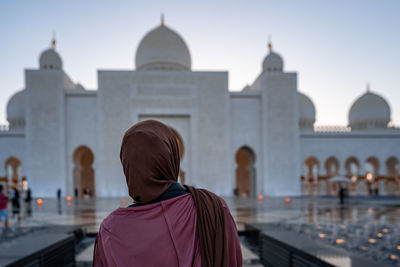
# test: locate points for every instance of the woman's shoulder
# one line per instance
(123, 215)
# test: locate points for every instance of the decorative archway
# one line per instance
(392, 175)
(179, 140)
(245, 172)
(372, 166)
(12, 166)
(352, 167)
(84, 185)
(310, 184)
(392, 167)
(332, 169)
(332, 166)
(312, 168)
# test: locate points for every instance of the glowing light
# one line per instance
(394, 257)
(363, 248)
(385, 230)
(398, 247)
(321, 235)
(287, 200)
(343, 227)
(39, 201)
(353, 178)
(339, 241)
(369, 176)
(372, 241)
(260, 197)
(350, 235)
(68, 198)
(379, 235)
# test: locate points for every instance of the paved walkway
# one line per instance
(91, 212)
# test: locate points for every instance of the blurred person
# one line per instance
(341, 194)
(169, 224)
(3, 207)
(58, 194)
(16, 206)
(28, 202)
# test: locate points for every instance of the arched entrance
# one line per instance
(392, 166)
(310, 184)
(392, 170)
(181, 176)
(83, 172)
(13, 166)
(245, 172)
(352, 167)
(332, 166)
(332, 169)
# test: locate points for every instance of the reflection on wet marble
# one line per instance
(304, 210)
(91, 212)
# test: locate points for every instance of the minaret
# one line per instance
(53, 41)
(162, 20)
(280, 126)
(269, 43)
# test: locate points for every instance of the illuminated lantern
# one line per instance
(287, 200)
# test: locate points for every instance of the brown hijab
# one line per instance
(150, 159)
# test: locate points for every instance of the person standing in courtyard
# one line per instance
(3, 207)
(15, 203)
(169, 224)
(28, 202)
(59, 194)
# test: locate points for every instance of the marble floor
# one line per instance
(90, 212)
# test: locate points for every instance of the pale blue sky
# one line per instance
(335, 46)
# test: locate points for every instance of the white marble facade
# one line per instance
(60, 133)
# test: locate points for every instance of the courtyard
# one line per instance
(308, 214)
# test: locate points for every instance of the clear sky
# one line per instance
(335, 46)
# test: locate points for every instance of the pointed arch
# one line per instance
(245, 172)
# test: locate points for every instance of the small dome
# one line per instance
(370, 111)
(273, 62)
(306, 112)
(50, 59)
(16, 110)
(162, 48)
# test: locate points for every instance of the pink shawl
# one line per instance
(159, 234)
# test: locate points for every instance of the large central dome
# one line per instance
(162, 49)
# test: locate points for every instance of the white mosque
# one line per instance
(259, 141)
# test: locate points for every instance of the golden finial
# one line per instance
(53, 40)
(269, 43)
(162, 19)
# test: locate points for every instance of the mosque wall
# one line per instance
(45, 133)
(246, 131)
(213, 132)
(195, 104)
(280, 133)
(81, 129)
(113, 105)
(342, 146)
(12, 145)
